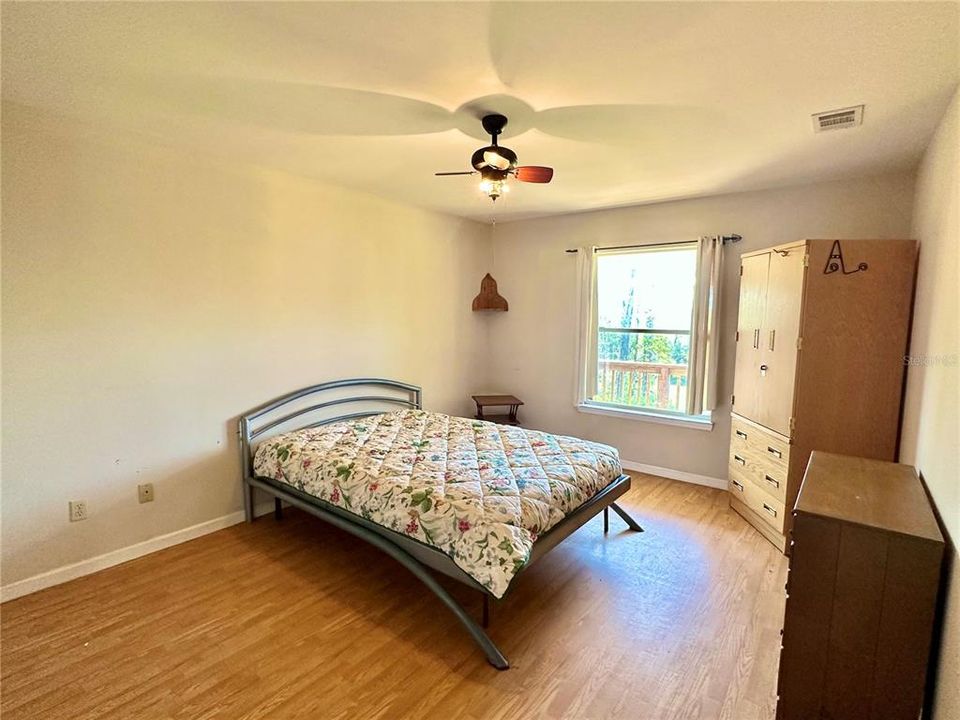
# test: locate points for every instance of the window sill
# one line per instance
(689, 422)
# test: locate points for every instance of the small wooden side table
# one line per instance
(507, 401)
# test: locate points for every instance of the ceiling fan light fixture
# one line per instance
(497, 159)
(494, 188)
(494, 156)
(496, 163)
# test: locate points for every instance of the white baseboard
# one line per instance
(672, 474)
(115, 557)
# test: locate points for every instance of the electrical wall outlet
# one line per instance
(145, 492)
(78, 510)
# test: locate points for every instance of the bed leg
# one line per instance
(486, 612)
(494, 656)
(606, 520)
(631, 523)
(248, 501)
(277, 509)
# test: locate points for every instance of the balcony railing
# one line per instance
(642, 384)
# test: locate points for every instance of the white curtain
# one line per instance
(586, 385)
(704, 340)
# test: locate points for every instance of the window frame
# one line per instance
(703, 421)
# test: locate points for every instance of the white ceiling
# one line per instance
(630, 102)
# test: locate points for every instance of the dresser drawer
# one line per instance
(737, 487)
(770, 510)
(746, 490)
(762, 457)
(744, 466)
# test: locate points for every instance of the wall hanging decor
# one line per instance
(489, 298)
(835, 262)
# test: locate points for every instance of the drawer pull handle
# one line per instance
(773, 451)
(737, 485)
(770, 510)
(741, 434)
(737, 458)
(775, 483)
(756, 339)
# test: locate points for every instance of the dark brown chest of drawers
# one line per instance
(865, 565)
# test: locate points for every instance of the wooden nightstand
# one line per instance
(506, 401)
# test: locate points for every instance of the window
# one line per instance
(644, 312)
(643, 341)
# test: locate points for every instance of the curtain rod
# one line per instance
(727, 239)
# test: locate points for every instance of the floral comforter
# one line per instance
(478, 491)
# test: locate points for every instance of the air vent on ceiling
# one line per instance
(838, 119)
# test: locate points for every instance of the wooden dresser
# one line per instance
(821, 336)
(861, 591)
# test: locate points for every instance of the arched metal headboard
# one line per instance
(268, 416)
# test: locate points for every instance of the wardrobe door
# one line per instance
(753, 291)
(778, 338)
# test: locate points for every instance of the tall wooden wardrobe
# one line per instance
(821, 353)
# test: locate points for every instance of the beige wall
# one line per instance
(931, 433)
(150, 297)
(533, 344)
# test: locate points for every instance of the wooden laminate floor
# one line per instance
(299, 620)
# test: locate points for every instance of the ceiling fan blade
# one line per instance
(292, 107)
(465, 172)
(534, 174)
(641, 126)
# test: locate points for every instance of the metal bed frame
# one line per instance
(414, 555)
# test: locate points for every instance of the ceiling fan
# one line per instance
(495, 163)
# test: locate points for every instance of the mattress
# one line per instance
(480, 492)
